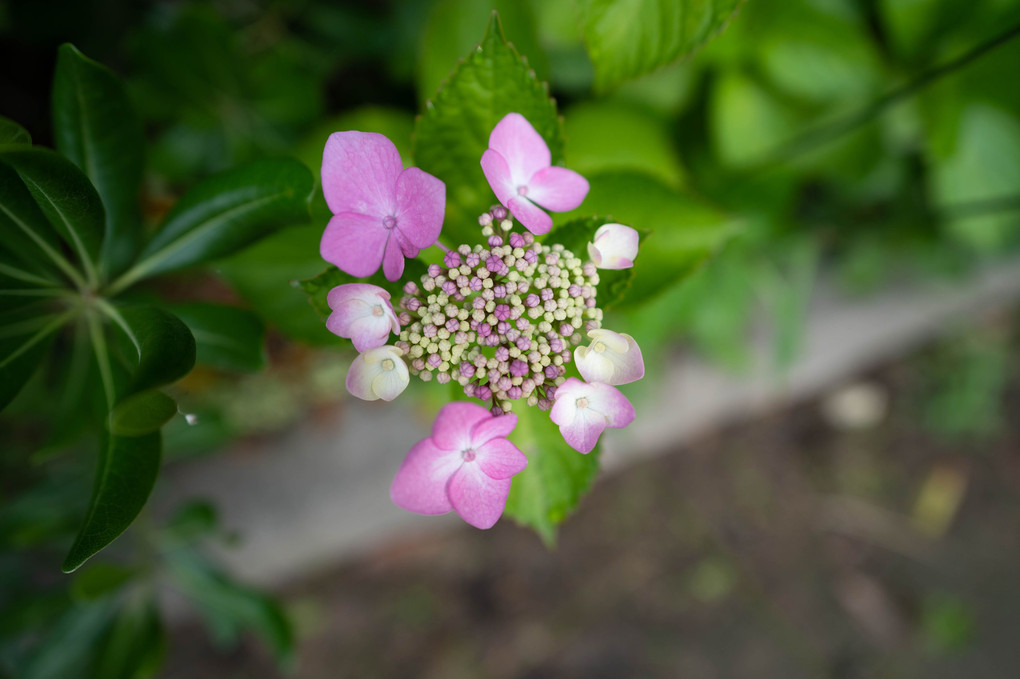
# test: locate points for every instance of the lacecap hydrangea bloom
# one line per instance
(505, 318)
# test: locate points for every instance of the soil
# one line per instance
(788, 547)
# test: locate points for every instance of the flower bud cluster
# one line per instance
(500, 319)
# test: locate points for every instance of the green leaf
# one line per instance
(263, 275)
(453, 27)
(125, 474)
(228, 607)
(820, 58)
(33, 244)
(136, 643)
(318, 288)
(627, 38)
(12, 133)
(684, 229)
(141, 413)
(224, 214)
(226, 337)
(549, 488)
(984, 167)
(25, 338)
(162, 347)
(608, 136)
(68, 648)
(453, 132)
(66, 197)
(191, 521)
(748, 122)
(95, 126)
(100, 579)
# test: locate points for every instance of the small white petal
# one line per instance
(611, 358)
(378, 373)
(615, 246)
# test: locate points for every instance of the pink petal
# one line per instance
(420, 483)
(359, 172)
(453, 425)
(527, 213)
(500, 459)
(393, 259)
(364, 291)
(523, 149)
(582, 433)
(354, 242)
(610, 402)
(494, 427)
(497, 173)
(557, 189)
(421, 204)
(479, 499)
(563, 410)
(353, 306)
(571, 387)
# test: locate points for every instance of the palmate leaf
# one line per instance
(627, 38)
(453, 132)
(224, 214)
(556, 478)
(95, 126)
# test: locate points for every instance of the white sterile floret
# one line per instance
(611, 358)
(378, 373)
(615, 246)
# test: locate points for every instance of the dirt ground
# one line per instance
(824, 541)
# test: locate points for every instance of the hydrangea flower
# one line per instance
(612, 358)
(519, 169)
(615, 246)
(583, 411)
(503, 317)
(362, 313)
(464, 466)
(378, 373)
(381, 212)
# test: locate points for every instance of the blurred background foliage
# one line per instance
(875, 140)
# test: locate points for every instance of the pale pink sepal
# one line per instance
(363, 313)
(518, 167)
(583, 411)
(466, 465)
(611, 358)
(615, 247)
(378, 373)
(382, 212)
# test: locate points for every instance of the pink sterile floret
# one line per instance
(465, 465)
(519, 169)
(363, 313)
(381, 212)
(583, 411)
